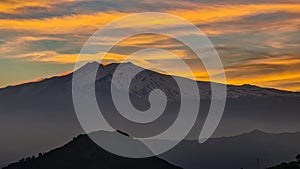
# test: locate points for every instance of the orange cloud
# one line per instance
(85, 23)
(229, 12)
(61, 25)
(13, 6)
(267, 72)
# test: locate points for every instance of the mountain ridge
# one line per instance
(106, 71)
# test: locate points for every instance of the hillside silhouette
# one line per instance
(83, 153)
(290, 165)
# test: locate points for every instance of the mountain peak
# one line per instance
(91, 64)
(94, 64)
(130, 64)
(257, 131)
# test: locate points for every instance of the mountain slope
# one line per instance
(83, 153)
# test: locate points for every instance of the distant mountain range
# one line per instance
(241, 151)
(38, 116)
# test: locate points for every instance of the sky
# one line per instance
(257, 41)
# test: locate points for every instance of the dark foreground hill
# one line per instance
(284, 165)
(83, 153)
(290, 165)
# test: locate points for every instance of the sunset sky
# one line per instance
(258, 41)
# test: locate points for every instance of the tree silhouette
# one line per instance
(22, 160)
(298, 158)
(40, 154)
